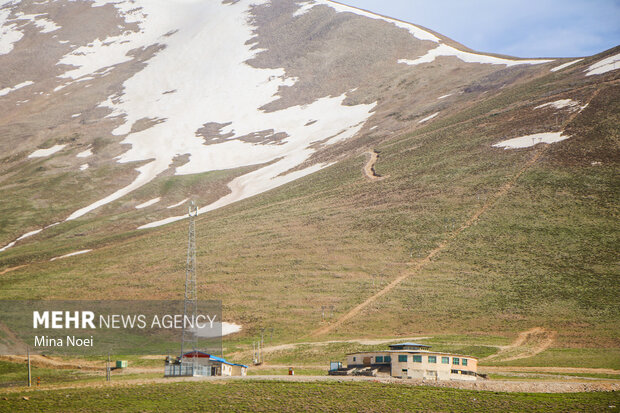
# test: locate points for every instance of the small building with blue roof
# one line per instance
(199, 363)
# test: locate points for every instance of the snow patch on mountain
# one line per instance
(467, 57)
(26, 235)
(101, 55)
(565, 65)
(148, 203)
(531, 140)
(72, 254)
(10, 28)
(421, 34)
(178, 204)
(7, 246)
(416, 31)
(8, 90)
(604, 66)
(428, 117)
(41, 153)
(29, 234)
(207, 90)
(304, 8)
(560, 104)
(9, 33)
(246, 186)
(44, 25)
(85, 154)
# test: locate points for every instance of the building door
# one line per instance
(367, 361)
(430, 374)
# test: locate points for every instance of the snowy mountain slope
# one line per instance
(174, 88)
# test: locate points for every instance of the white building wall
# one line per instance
(418, 370)
(427, 370)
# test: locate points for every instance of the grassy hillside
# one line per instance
(316, 396)
(542, 253)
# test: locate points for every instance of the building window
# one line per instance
(379, 359)
(432, 359)
(464, 362)
(417, 359)
(405, 373)
(353, 358)
(402, 358)
(455, 361)
(445, 360)
(388, 359)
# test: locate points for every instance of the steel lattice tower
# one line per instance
(190, 307)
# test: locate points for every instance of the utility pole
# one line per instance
(107, 369)
(257, 358)
(331, 310)
(29, 371)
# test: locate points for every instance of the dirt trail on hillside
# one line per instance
(362, 341)
(369, 168)
(418, 265)
(12, 268)
(527, 344)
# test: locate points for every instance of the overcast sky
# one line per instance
(523, 28)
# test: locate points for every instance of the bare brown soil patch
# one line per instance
(12, 269)
(527, 344)
(369, 168)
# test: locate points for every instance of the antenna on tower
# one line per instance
(190, 305)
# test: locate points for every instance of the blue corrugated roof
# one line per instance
(408, 344)
(221, 360)
(215, 358)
